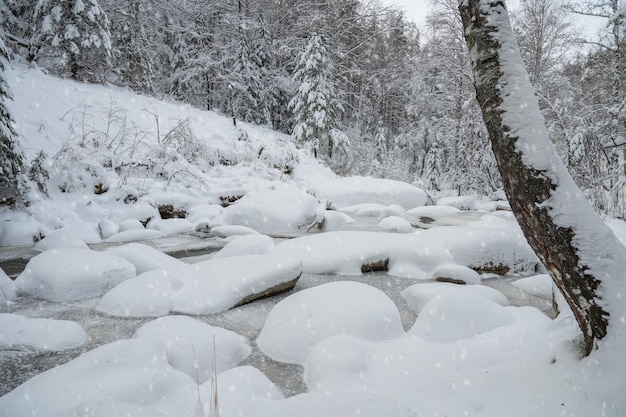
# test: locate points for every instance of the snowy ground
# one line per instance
(388, 317)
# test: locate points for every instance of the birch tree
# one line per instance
(583, 256)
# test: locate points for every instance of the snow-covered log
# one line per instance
(584, 258)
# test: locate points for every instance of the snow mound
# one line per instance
(40, 334)
(538, 285)
(328, 404)
(457, 316)
(204, 212)
(189, 345)
(395, 224)
(8, 291)
(146, 258)
(60, 239)
(110, 408)
(500, 250)
(474, 202)
(237, 387)
(72, 274)
(306, 318)
(255, 244)
(418, 295)
(170, 227)
(342, 192)
(216, 285)
(335, 220)
(347, 252)
(133, 371)
(146, 295)
(20, 232)
(283, 210)
(457, 274)
(364, 209)
(229, 231)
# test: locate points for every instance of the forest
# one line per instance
(389, 100)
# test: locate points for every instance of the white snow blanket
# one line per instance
(303, 319)
(72, 274)
(342, 192)
(189, 345)
(409, 255)
(146, 258)
(284, 210)
(418, 295)
(40, 334)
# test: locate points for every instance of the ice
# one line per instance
(283, 210)
(40, 334)
(342, 192)
(296, 324)
(69, 274)
(189, 345)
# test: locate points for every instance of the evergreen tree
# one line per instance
(11, 159)
(71, 37)
(316, 111)
(246, 81)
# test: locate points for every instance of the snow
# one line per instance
(69, 274)
(418, 295)
(40, 334)
(342, 192)
(229, 231)
(189, 345)
(20, 232)
(255, 244)
(170, 227)
(134, 235)
(539, 285)
(146, 258)
(303, 319)
(335, 220)
(395, 224)
(60, 239)
(8, 291)
(456, 273)
(284, 210)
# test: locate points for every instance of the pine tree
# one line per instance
(11, 159)
(315, 109)
(246, 81)
(71, 36)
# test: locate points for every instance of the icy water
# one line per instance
(19, 365)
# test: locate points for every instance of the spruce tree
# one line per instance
(11, 159)
(316, 111)
(71, 37)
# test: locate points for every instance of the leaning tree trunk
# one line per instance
(584, 258)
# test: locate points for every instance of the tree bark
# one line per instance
(533, 191)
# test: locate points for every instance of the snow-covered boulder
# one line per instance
(458, 316)
(349, 252)
(254, 244)
(284, 210)
(60, 239)
(189, 345)
(216, 285)
(342, 192)
(146, 295)
(40, 334)
(395, 224)
(538, 285)
(107, 228)
(72, 274)
(418, 295)
(170, 227)
(230, 231)
(303, 319)
(130, 224)
(7, 289)
(20, 232)
(499, 250)
(335, 220)
(134, 235)
(457, 274)
(131, 371)
(203, 212)
(146, 258)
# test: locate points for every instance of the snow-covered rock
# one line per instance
(146, 295)
(204, 212)
(7, 289)
(130, 224)
(216, 285)
(72, 274)
(20, 232)
(458, 316)
(457, 274)
(170, 226)
(229, 231)
(189, 345)
(342, 192)
(40, 334)
(254, 244)
(146, 258)
(134, 235)
(132, 371)
(303, 319)
(335, 220)
(395, 224)
(393, 210)
(346, 252)
(538, 285)
(107, 228)
(283, 210)
(60, 239)
(418, 295)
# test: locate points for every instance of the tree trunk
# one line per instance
(581, 253)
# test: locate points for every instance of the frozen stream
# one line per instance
(17, 366)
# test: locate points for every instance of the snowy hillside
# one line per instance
(170, 258)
